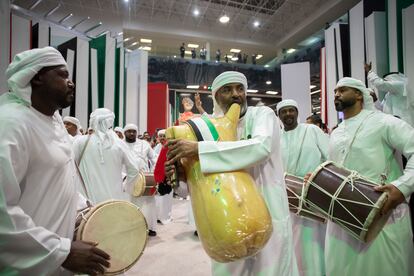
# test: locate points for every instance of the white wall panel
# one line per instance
(5, 43)
(131, 100)
(392, 36)
(70, 60)
(408, 47)
(94, 78)
(109, 99)
(43, 35)
(82, 78)
(356, 35)
(331, 73)
(121, 88)
(20, 40)
(296, 86)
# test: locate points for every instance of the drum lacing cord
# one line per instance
(335, 199)
(82, 215)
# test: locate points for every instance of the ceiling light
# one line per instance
(146, 48)
(65, 18)
(175, 56)
(128, 38)
(103, 33)
(252, 90)
(267, 66)
(272, 92)
(312, 86)
(83, 20)
(35, 4)
(128, 50)
(291, 50)
(93, 27)
(315, 92)
(126, 1)
(185, 95)
(187, 52)
(120, 33)
(133, 44)
(196, 12)
(193, 86)
(235, 50)
(192, 45)
(259, 57)
(145, 40)
(52, 10)
(256, 23)
(256, 99)
(268, 82)
(234, 58)
(224, 19)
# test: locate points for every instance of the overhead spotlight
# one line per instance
(224, 19)
(268, 82)
(291, 50)
(145, 40)
(34, 5)
(192, 45)
(252, 90)
(193, 86)
(93, 27)
(196, 12)
(126, 1)
(259, 57)
(80, 22)
(133, 44)
(145, 48)
(103, 33)
(235, 51)
(267, 66)
(49, 13)
(187, 52)
(234, 58)
(65, 18)
(272, 92)
(256, 23)
(312, 86)
(128, 38)
(120, 33)
(175, 56)
(256, 99)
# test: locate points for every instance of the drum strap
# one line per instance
(203, 129)
(300, 150)
(77, 167)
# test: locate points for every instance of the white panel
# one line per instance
(296, 86)
(43, 35)
(94, 78)
(138, 60)
(330, 76)
(392, 36)
(131, 100)
(323, 85)
(376, 44)
(121, 88)
(82, 72)
(20, 34)
(110, 46)
(408, 46)
(340, 66)
(70, 60)
(356, 35)
(5, 43)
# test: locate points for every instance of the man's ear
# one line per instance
(37, 80)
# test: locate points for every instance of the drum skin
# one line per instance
(364, 213)
(120, 230)
(145, 185)
(231, 216)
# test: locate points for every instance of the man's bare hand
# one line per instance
(198, 103)
(368, 67)
(395, 197)
(179, 148)
(85, 258)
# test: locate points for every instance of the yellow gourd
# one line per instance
(232, 219)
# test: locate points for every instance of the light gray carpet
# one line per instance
(175, 250)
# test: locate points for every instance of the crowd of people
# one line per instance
(49, 170)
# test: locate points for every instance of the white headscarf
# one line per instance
(25, 66)
(368, 103)
(102, 121)
(161, 131)
(131, 127)
(120, 129)
(400, 85)
(74, 121)
(285, 103)
(222, 80)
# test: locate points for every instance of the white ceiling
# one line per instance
(283, 23)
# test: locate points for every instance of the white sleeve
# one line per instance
(322, 140)
(25, 248)
(132, 167)
(394, 87)
(229, 156)
(152, 158)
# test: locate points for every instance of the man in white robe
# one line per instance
(143, 153)
(38, 177)
(304, 147)
(72, 125)
(101, 157)
(258, 151)
(365, 141)
(398, 100)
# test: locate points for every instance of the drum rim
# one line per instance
(142, 176)
(313, 175)
(370, 218)
(97, 207)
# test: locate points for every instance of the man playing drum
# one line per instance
(304, 147)
(258, 151)
(365, 142)
(38, 177)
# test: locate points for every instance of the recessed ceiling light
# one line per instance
(259, 57)
(291, 50)
(120, 33)
(175, 56)
(196, 12)
(193, 86)
(145, 48)
(252, 90)
(234, 58)
(128, 38)
(145, 40)
(187, 52)
(272, 92)
(192, 45)
(256, 99)
(133, 44)
(235, 50)
(267, 66)
(315, 92)
(268, 82)
(256, 23)
(224, 19)
(126, 1)
(312, 86)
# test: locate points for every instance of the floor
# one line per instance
(175, 250)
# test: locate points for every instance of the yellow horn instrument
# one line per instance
(232, 219)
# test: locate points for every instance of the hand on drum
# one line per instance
(306, 178)
(395, 197)
(86, 258)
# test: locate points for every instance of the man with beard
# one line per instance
(258, 151)
(143, 153)
(38, 177)
(365, 141)
(304, 147)
(72, 125)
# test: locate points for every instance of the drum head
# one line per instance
(120, 230)
(139, 186)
